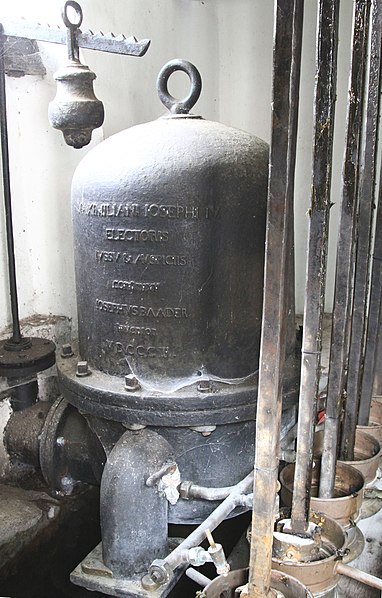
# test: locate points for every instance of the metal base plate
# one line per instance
(93, 575)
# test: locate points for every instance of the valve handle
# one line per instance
(174, 105)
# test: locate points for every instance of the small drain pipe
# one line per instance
(134, 515)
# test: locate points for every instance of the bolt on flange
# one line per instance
(132, 383)
(83, 369)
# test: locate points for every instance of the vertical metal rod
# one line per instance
(345, 248)
(325, 96)
(377, 381)
(16, 336)
(374, 319)
(287, 42)
(366, 198)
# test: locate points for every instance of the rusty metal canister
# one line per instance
(169, 230)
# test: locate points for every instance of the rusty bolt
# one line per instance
(66, 350)
(82, 369)
(204, 386)
(131, 383)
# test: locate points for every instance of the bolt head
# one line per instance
(82, 369)
(131, 383)
(66, 350)
(204, 386)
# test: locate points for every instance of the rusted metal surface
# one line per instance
(345, 248)
(374, 320)
(366, 197)
(357, 574)
(325, 95)
(374, 428)
(318, 576)
(344, 507)
(286, 59)
(116, 44)
(226, 586)
(367, 455)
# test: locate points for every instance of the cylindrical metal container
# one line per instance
(169, 229)
(344, 507)
(226, 585)
(367, 455)
(375, 421)
(319, 576)
(169, 233)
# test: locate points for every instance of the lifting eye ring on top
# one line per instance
(172, 104)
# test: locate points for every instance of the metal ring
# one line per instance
(78, 10)
(179, 106)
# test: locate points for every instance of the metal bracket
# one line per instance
(116, 44)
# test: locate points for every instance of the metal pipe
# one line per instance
(345, 249)
(374, 319)
(211, 522)
(324, 109)
(198, 577)
(366, 196)
(358, 575)
(189, 490)
(16, 334)
(279, 232)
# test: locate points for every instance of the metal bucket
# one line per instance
(319, 576)
(225, 586)
(375, 421)
(367, 454)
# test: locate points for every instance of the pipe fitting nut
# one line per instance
(160, 572)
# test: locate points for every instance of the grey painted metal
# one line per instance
(324, 109)
(169, 250)
(236, 498)
(133, 516)
(374, 320)
(279, 229)
(197, 577)
(345, 248)
(366, 198)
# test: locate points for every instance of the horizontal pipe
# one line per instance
(358, 575)
(191, 490)
(198, 577)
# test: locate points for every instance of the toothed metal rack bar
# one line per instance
(116, 44)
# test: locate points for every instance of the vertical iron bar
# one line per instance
(366, 198)
(345, 248)
(374, 318)
(286, 61)
(325, 95)
(16, 336)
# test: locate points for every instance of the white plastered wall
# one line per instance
(230, 41)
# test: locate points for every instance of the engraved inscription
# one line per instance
(147, 259)
(148, 210)
(123, 234)
(132, 285)
(141, 310)
(131, 350)
(136, 330)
